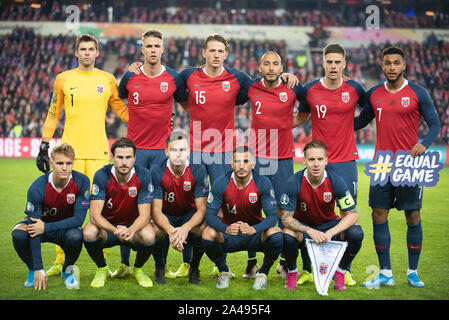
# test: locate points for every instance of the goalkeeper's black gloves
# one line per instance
(42, 160)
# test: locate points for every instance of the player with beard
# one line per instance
(120, 212)
(271, 136)
(235, 221)
(398, 105)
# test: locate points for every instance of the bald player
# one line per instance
(272, 107)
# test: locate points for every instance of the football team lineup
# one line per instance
(170, 194)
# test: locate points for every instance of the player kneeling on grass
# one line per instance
(57, 204)
(120, 212)
(241, 195)
(179, 205)
(307, 208)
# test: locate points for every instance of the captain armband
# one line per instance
(346, 202)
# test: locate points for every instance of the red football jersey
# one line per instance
(242, 205)
(315, 206)
(272, 116)
(178, 194)
(150, 106)
(121, 201)
(332, 116)
(212, 101)
(398, 116)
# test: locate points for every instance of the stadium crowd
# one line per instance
(30, 63)
(347, 16)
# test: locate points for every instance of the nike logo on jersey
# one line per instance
(135, 87)
(196, 85)
(73, 88)
(380, 101)
(258, 95)
(316, 99)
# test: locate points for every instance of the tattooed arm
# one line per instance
(293, 224)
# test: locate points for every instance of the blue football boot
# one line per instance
(30, 280)
(378, 281)
(414, 281)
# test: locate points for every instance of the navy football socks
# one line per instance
(414, 244)
(382, 241)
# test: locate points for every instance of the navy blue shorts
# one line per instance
(242, 242)
(277, 170)
(56, 236)
(177, 221)
(149, 157)
(328, 225)
(401, 198)
(348, 172)
(217, 164)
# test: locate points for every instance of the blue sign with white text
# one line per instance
(402, 170)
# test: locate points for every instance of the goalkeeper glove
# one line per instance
(42, 160)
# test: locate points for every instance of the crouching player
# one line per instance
(120, 212)
(56, 207)
(307, 208)
(241, 195)
(179, 205)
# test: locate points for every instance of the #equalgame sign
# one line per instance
(402, 170)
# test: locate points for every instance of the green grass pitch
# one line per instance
(17, 175)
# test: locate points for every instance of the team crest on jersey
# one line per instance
(253, 197)
(405, 102)
(345, 97)
(164, 87)
(284, 199)
(327, 196)
(132, 191)
(100, 88)
(226, 85)
(187, 185)
(283, 96)
(71, 198)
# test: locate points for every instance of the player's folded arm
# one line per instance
(34, 210)
(213, 221)
(367, 112)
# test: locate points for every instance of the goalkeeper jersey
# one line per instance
(85, 97)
